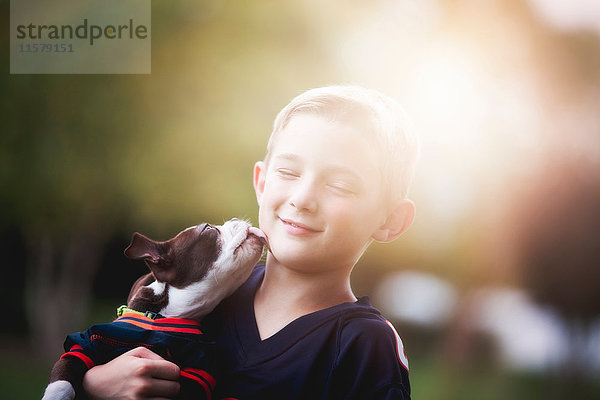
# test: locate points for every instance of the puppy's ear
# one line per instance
(143, 248)
(156, 255)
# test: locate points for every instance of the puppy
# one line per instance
(189, 275)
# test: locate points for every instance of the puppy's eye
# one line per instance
(207, 227)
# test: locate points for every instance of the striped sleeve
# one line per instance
(198, 378)
(77, 351)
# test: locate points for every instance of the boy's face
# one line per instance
(320, 194)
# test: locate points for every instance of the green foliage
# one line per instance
(164, 150)
(432, 379)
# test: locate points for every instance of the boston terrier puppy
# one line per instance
(189, 275)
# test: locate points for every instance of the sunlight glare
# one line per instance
(448, 96)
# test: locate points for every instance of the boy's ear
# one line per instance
(397, 222)
(259, 179)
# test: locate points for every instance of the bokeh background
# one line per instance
(495, 289)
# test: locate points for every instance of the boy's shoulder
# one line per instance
(364, 329)
(370, 353)
(361, 317)
(371, 333)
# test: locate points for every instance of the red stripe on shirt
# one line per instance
(77, 351)
(201, 381)
(208, 377)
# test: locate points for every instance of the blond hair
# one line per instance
(388, 122)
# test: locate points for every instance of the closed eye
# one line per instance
(287, 173)
(207, 227)
(341, 187)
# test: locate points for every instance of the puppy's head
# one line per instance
(194, 270)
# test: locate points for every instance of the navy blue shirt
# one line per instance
(348, 351)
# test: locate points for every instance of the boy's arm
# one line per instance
(371, 363)
(137, 374)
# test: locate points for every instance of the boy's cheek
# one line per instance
(266, 219)
(273, 195)
(354, 218)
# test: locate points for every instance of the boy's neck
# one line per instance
(329, 285)
(285, 295)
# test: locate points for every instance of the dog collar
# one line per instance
(156, 322)
(124, 309)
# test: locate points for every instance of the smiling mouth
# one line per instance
(300, 228)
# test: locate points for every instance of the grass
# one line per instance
(22, 375)
(431, 380)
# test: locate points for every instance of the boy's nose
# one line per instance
(304, 198)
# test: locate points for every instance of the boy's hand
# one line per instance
(137, 374)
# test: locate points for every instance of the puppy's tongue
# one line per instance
(260, 234)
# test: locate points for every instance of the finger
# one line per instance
(166, 388)
(142, 352)
(156, 366)
(162, 369)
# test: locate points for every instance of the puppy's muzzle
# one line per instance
(260, 235)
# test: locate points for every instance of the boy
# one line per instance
(335, 178)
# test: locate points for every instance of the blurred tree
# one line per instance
(60, 187)
(558, 234)
(84, 156)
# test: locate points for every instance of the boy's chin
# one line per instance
(293, 260)
(304, 262)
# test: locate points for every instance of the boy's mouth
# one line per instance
(296, 227)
